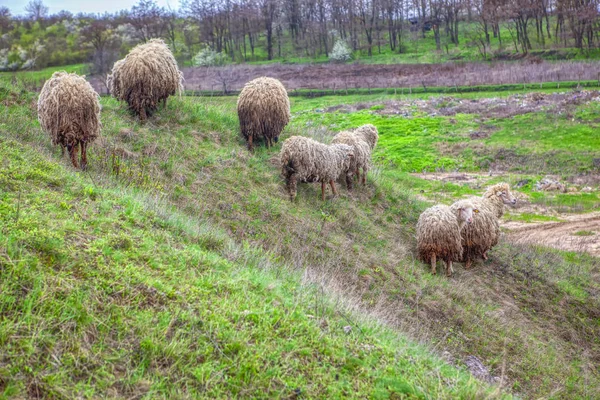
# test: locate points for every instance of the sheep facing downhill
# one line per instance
(263, 109)
(306, 160)
(69, 111)
(484, 232)
(439, 233)
(145, 77)
(362, 140)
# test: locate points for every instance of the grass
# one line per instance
(235, 235)
(584, 233)
(530, 217)
(42, 74)
(108, 292)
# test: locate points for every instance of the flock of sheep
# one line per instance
(69, 111)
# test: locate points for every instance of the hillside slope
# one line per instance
(530, 314)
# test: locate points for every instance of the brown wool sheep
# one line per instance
(484, 232)
(439, 233)
(69, 111)
(362, 140)
(145, 77)
(263, 110)
(306, 160)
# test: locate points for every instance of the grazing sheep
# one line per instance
(69, 111)
(145, 77)
(438, 233)
(362, 140)
(263, 110)
(306, 160)
(484, 232)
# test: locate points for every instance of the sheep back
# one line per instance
(263, 108)
(483, 233)
(69, 109)
(312, 161)
(362, 151)
(438, 233)
(369, 134)
(147, 75)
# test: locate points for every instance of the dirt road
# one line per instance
(574, 233)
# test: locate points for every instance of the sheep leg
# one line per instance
(357, 172)
(468, 263)
(364, 176)
(349, 178)
(332, 183)
(484, 255)
(164, 103)
(142, 114)
(323, 190)
(83, 155)
(449, 269)
(291, 187)
(62, 150)
(249, 142)
(433, 266)
(73, 154)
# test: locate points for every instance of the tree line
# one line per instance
(254, 30)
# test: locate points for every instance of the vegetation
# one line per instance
(133, 297)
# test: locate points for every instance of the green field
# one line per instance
(176, 267)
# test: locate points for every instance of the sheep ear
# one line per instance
(476, 211)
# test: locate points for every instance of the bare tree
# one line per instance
(36, 10)
(148, 19)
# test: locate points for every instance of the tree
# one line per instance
(148, 19)
(5, 21)
(36, 10)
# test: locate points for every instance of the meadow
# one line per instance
(176, 265)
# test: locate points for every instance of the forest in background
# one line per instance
(203, 32)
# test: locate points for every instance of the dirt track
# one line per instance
(560, 235)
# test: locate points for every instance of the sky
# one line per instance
(17, 7)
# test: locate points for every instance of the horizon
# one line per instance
(17, 7)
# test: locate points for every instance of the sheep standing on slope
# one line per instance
(263, 110)
(306, 160)
(362, 140)
(484, 232)
(69, 110)
(145, 77)
(439, 233)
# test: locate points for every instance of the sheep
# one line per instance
(439, 233)
(263, 109)
(69, 111)
(484, 232)
(362, 140)
(145, 77)
(306, 160)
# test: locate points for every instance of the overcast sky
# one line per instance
(17, 7)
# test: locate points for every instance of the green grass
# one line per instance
(530, 217)
(105, 292)
(175, 223)
(584, 233)
(43, 74)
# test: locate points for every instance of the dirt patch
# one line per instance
(352, 76)
(575, 233)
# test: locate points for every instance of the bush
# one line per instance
(341, 52)
(209, 58)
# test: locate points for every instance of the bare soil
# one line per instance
(560, 235)
(349, 76)
(486, 108)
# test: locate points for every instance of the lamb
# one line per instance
(484, 232)
(145, 77)
(69, 111)
(362, 140)
(306, 160)
(263, 109)
(439, 233)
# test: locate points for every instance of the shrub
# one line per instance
(341, 52)
(209, 58)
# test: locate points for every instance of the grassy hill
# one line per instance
(177, 266)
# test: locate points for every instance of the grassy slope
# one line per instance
(106, 291)
(530, 314)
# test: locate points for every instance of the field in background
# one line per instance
(528, 316)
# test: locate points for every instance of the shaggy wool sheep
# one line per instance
(145, 77)
(306, 160)
(69, 111)
(362, 140)
(439, 233)
(263, 110)
(484, 232)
